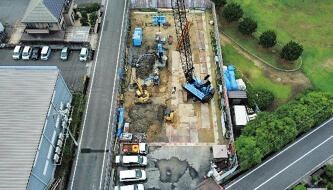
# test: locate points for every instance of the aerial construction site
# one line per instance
(171, 83)
(170, 114)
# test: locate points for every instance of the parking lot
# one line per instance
(72, 70)
(169, 167)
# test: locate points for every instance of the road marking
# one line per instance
(299, 179)
(114, 86)
(279, 153)
(92, 82)
(293, 163)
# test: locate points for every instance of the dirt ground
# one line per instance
(296, 79)
(149, 118)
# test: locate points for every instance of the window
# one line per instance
(138, 173)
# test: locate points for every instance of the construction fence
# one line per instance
(136, 4)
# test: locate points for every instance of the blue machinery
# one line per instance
(159, 19)
(200, 90)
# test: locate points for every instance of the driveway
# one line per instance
(174, 167)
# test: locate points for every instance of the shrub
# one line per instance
(247, 26)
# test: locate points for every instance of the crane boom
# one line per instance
(137, 83)
(183, 38)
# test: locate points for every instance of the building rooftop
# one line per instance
(47, 11)
(26, 93)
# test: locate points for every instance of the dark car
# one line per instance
(35, 53)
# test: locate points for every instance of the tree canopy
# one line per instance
(267, 39)
(220, 3)
(232, 12)
(272, 131)
(247, 26)
(292, 51)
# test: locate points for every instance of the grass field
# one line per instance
(308, 22)
(254, 74)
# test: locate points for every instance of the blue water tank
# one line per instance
(137, 37)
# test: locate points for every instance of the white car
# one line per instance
(130, 187)
(132, 175)
(17, 52)
(84, 54)
(132, 160)
(45, 54)
(26, 54)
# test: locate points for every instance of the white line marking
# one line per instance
(279, 153)
(114, 85)
(293, 163)
(92, 82)
(315, 168)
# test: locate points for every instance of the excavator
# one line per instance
(142, 95)
(168, 115)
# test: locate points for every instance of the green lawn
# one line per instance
(254, 74)
(308, 22)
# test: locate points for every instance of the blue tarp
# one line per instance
(120, 121)
(232, 77)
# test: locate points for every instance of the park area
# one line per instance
(291, 20)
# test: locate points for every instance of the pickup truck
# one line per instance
(134, 148)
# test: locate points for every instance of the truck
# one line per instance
(131, 160)
(134, 148)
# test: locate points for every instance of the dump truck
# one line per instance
(134, 148)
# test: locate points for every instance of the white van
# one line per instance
(45, 54)
(26, 54)
(17, 52)
(132, 175)
(130, 187)
(84, 54)
(133, 160)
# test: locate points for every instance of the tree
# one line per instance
(299, 187)
(84, 21)
(220, 3)
(247, 26)
(261, 97)
(267, 39)
(93, 7)
(247, 151)
(232, 12)
(92, 19)
(292, 51)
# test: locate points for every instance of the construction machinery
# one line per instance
(201, 90)
(141, 94)
(168, 115)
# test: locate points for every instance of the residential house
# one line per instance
(45, 16)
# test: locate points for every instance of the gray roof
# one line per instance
(25, 98)
(43, 11)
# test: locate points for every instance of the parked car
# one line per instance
(35, 53)
(84, 54)
(132, 175)
(130, 187)
(26, 54)
(17, 53)
(46, 52)
(64, 54)
(132, 160)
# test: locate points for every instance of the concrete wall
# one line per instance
(43, 169)
(167, 4)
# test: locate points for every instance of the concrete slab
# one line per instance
(205, 123)
(176, 159)
(175, 61)
(188, 119)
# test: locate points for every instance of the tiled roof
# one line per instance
(43, 11)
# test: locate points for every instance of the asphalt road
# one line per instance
(288, 167)
(89, 168)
